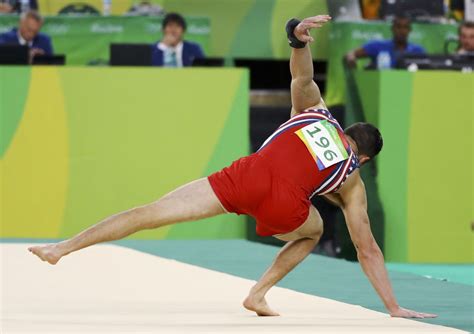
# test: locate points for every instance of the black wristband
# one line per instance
(292, 40)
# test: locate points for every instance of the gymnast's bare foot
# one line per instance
(49, 253)
(259, 305)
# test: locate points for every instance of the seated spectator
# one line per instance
(172, 50)
(28, 34)
(15, 6)
(466, 38)
(397, 46)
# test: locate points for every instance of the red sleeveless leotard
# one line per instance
(274, 184)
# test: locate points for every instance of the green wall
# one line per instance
(230, 29)
(425, 172)
(79, 144)
(440, 200)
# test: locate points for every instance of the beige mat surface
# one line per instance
(111, 289)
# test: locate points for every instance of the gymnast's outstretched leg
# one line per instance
(193, 201)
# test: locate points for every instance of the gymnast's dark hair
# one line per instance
(367, 137)
(175, 18)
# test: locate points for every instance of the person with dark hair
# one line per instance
(28, 33)
(466, 38)
(309, 155)
(392, 49)
(172, 50)
(367, 137)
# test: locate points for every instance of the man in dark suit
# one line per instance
(172, 50)
(28, 34)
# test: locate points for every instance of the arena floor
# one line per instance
(198, 287)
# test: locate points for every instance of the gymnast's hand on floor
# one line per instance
(302, 29)
(401, 312)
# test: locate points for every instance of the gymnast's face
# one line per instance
(363, 159)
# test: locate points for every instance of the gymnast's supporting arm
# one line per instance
(354, 207)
